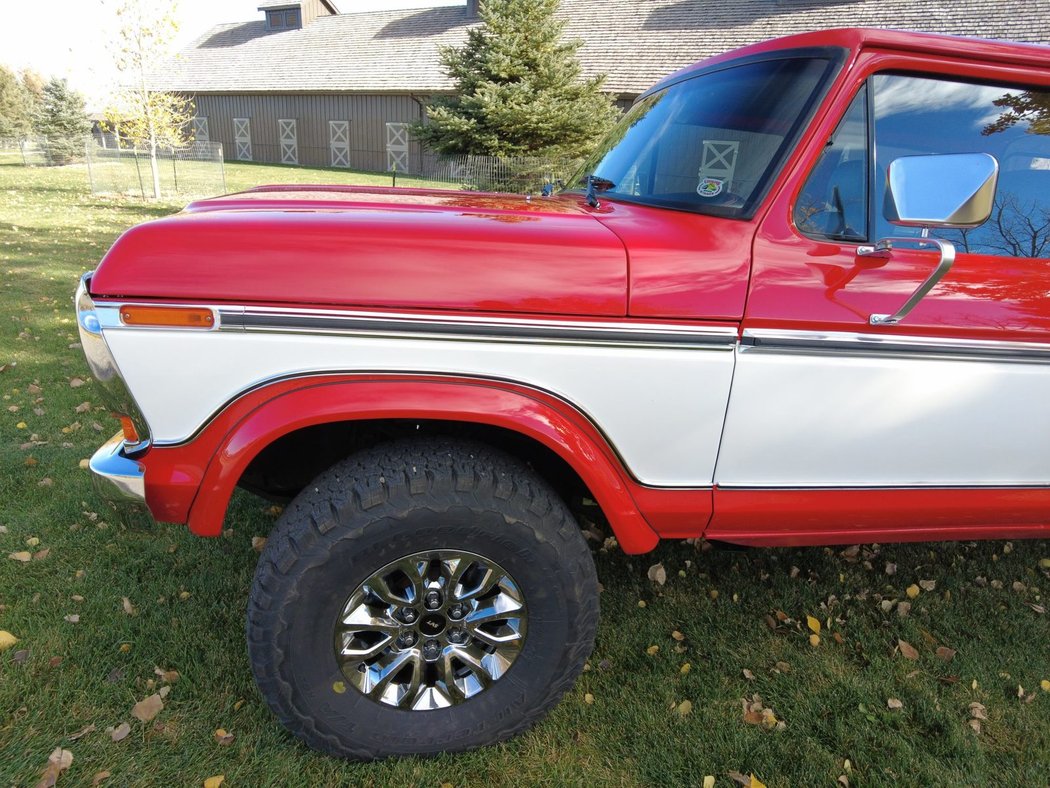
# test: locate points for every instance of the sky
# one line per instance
(70, 38)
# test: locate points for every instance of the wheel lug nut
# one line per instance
(457, 635)
(406, 639)
(432, 600)
(456, 611)
(431, 649)
(408, 615)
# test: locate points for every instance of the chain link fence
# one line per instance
(195, 170)
(517, 174)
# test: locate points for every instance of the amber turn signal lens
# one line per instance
(131, 435)
(167, 316)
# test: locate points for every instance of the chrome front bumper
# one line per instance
(118, 479)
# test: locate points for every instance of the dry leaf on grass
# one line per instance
(99, 777)
(709, 781)
(894, 704)
(57, 762)
(22, 555)
(120, 732)
(76, 383)
(927, 585)
(80, 734)
(978, 711)
(147, 708)
(128, 607)
(945, 653)
(748, 675)
(813, 624)
(912, 591)
(72, 618)
(6, 640)
(684, 708)
(908, 651)
(657, 574)
(258, 543)
(223, 737)
(215, 782)
(167, 676)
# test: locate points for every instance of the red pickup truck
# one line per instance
(800, 297)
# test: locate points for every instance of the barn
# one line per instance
(305, 84)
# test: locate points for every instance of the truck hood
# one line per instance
(375, 247)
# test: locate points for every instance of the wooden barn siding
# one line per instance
(368, 116)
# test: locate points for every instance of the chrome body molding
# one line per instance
(477, 329)
(117, 478)
(848, 343)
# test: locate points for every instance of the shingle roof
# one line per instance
(633, 42)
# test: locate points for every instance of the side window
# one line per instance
(920, 115)
(834, 202)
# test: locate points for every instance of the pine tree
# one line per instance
(61, 120)
(15, 107)
(519, 91)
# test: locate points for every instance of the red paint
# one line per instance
(770, 518)
(345, 246)
(221, 453)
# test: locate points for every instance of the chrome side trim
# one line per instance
(486, 329)
(856, 344)
(118, 479)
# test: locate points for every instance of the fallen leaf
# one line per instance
(167, 676)
(84, 465)
(163, 691)
(128, 607)
(54, 662)
(783, 667)
(814, 640)
(72, 618)
(912, 591)
(975, 725)
(755, 783)
(99, 777)
(686, 667)
(76, 383)
(903, 609)
(749, 675)
(641, 603)
(678, 636)
(120, 732)
(652, 651)
(737, 777)
(57, 762)
(978, 711)
(813, 624)
(1045, 685)
(40, 555)
(33, 541)
(657, 574)
(83, 407)
(709, 781)
(6, 640)
(215, 782)
(258, 543)
(927, 585)
(945, 653)
(894, 704)
(19, 656)
(684, 708)
(147, 708)
(237, 705)
(22, 555)
(80, 734)
(224, 739)
(908, 651)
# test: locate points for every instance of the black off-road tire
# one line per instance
(377, 507)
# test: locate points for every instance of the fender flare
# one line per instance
(529, 412)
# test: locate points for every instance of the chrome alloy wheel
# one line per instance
(431, 630)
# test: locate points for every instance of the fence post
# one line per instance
(87, 159)
(174, 170)
(142, 189)
(22, 148)
(222, 167)
(393, 170)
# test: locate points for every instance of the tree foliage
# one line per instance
(1031, 107)
(519, 90)
(147, 117)
(61, 120)
(16, 106)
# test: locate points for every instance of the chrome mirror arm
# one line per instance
(883, 249)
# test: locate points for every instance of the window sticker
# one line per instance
(710, 187)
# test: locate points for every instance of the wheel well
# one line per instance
(288, 464)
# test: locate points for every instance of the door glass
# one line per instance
(918, 115)
(834, 202)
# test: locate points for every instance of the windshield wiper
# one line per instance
(597, 184)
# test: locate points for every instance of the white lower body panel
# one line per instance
(799, 419)
(661, 408)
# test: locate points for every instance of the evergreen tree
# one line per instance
(15, 107)
(61, 120)
(519, 91)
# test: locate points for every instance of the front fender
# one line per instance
(318, 400)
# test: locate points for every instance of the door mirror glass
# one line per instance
(955, 190)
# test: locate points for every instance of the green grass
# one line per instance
(833, 699)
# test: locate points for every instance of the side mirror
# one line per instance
(950, 191)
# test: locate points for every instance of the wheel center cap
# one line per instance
(432, 624)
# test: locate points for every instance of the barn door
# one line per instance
(200, 129)
(339, 142)
(286, 130)
(397, 147)
(242, 138)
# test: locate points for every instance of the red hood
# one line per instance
(375, 247)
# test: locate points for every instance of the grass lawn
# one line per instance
(736, 619)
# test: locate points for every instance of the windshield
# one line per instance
(710, 143)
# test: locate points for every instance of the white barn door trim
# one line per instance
(242, 138)
(339, 142)
(286, 130)
(200, 129)
(397, 147)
